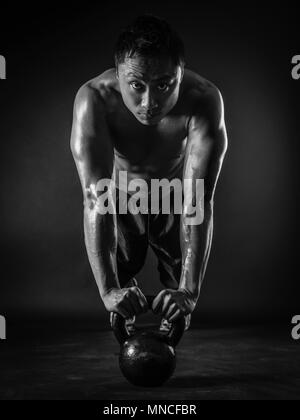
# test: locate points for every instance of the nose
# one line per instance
(148, 103)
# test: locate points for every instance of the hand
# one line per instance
(127, 302)
(173, 304)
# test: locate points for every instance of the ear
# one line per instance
(182, 72)
(117, 69)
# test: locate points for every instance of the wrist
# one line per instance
(106, 292)
(190, 294)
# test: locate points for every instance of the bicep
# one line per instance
(91, 144)
(206, 148)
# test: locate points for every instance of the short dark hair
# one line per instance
(149, 36)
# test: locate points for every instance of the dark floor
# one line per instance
(227, 363)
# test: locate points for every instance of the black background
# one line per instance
(246, 51)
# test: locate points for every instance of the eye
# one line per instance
(163, 86)
(136, 85)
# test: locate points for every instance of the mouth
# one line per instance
(149, 115)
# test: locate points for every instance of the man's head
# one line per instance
(149, 59)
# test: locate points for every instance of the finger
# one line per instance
(176, 316)
(142, 300)
(167, 302)
(123, 312)
(183, 309)
(158, 302)
(134, 301)
(127, 306)
(172, 310)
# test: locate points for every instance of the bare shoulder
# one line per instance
(99, 91)
(93, 100)
(199, 88)
(89, 129)
(203, 97)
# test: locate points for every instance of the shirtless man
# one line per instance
(153, 118)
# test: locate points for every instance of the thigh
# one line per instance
(132, 243)
(164, 239)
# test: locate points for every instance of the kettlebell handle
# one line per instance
(121, 334)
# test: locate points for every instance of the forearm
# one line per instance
(100, 232)
(195, 241)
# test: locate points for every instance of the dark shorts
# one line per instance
(137, 232)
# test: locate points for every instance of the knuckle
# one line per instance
(118, 306)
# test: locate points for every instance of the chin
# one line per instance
(149, 121)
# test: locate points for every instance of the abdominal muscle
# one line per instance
(166, 170)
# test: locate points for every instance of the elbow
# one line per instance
(208, 207)
(98, 200)
(90, 197)
(208, 211)
(200, 212)
(208, 199)
(209, 204)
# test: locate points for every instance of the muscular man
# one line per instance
(155, 119)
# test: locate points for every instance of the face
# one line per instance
(149, 87)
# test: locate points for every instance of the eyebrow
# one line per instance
(165, 76)
(132, 74)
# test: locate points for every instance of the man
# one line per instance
(154, 119)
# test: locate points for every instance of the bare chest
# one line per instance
(149, 151)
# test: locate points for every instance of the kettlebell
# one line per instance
(147, 358)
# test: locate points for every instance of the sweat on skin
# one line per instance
(146, 122)
(104, 193)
